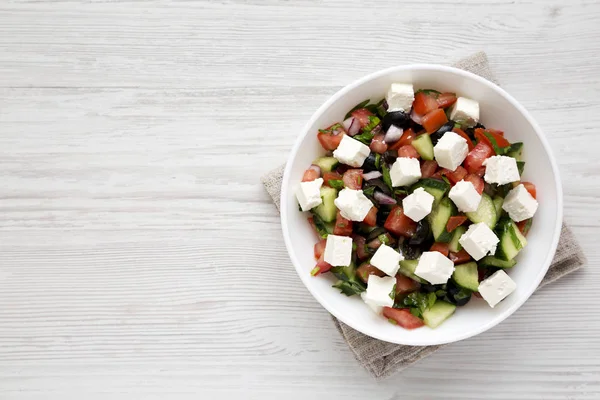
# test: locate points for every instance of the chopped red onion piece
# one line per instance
(347, 123)
(351, 125)
(384, 199)
(416, 117)
(393, 134)
(315, 168)
(372, 175)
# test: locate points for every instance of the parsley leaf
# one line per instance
(349, 288)
(419, 301)
(369, 191)
(387, 179)
(373, 122)
(336, 183)
(364, 137)
(499, 150)
(321, 226)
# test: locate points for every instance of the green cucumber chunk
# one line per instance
(438, 313)
(466, 276)
(327, 210)
(498, 201)
(438, 219)
(434, 187)
(486, 212)
(454, 245)
(515, 150)
(408, 267)
(511, 240)
(491, 261)
(327, 164)
(424, 146)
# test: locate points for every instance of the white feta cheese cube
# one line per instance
(501, 170)
(451, 150)
(496, 287)
(418, 204)
(376, 309)
(338, 250)
(465, 196)
(353, 204)
(379, 290)
(351, 152)
(405, 171)
(520, 204)
(479, 240)
(465, 111)
(387, 260)
(400, 97)
(434, 267)
(309, 194)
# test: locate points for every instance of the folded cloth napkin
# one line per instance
(383, 359)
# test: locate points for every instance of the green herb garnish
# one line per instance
(336, 183)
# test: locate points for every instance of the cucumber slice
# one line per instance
(511, 240)
(515, 150)
(521, 167)
(454, 245)
(466, 276)
(491, 261)
(408, 267)
(486, 212)
(498, 201)
(327, 210)
(424, 146)
(327, 164)
(438, 219)
(438, 313)
(434, 187)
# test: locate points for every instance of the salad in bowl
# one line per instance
(421, 205)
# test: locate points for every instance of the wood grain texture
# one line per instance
(139, 254)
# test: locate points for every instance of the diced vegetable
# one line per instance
(459, 257)
(466, 276)
(454, 245)
(491, 261)
(327, 164)
(437, 314)
(343, 226)
(439, 219)
(424, 102)
(477, 156)
(433, 120)
(434, 187)
(399, 224)
(366, 269)
(327, 210)
(441, 248)
(408, 151)
(423, 145)
(408, 267)
(486, 212)
(512, 240)
(402, 317)
(353, 179)
(455, 221)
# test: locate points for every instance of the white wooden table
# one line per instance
(139, 254)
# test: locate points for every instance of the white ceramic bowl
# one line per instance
(498, 110)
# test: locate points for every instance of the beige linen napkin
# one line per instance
(383, 359)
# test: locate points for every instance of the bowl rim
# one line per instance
(559, 202)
